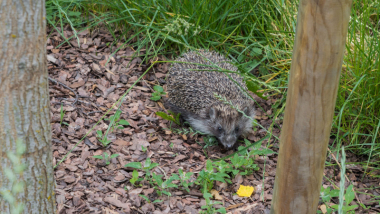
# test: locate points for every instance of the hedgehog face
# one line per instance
(227, 124)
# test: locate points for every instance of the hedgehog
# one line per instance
(195, 89)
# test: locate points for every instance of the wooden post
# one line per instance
(313, 84)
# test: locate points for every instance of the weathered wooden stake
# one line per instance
(313, 84)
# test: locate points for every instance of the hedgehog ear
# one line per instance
(212, 113)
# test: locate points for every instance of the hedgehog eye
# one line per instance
(220, 129)
(236, 129)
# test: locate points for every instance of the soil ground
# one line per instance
(88, 86)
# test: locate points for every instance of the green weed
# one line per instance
(209, 207)
(106, 157)
(209, 141)
(173, 117)
(115, 122)
(62, 114)
(346, 196)
(159, 91)
(207, 176)
(154, 179)
(183, 178)
(148, 200)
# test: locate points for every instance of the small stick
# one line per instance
(93, 112)
(65, 86)
(234, 206)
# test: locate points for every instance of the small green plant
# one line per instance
(115, 122)
(148, 165)
(106, 157)
(159, 91)
(135, 178)
(242, 162)
(209, 141)
(326, 195)
(162, 186)
(209, 207)
(183, 178)
(154, 179)
(148, 200)
(173, 117)
(346, 196)
(62, 114)
(102, 139)
(224, 167)
(11, 174)
(143, 148)
(207, 177)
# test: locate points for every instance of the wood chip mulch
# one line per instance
(87, 86)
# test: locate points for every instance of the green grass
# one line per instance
(258, 36)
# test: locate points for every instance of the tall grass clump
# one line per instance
(257, 35)
(358, 105)
(240, 29)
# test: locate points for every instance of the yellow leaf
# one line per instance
(245, 191)
(216, 195)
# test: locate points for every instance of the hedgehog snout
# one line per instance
(228, 141)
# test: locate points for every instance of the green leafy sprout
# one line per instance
(115, 122)
(173, 117)
(159, 91)
(62, 114)
(106, 157)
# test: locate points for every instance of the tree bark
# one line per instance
(313, 84)
(24, 102)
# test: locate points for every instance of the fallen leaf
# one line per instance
(121, 142)
(115, 202)
(159, 75)
(216, 195)
(179, 157)
(323, 208)
(245, 191)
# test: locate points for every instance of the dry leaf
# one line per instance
(216, 195)
(323, 208)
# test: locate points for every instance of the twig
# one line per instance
(234, 206)
(60, 103)
(65, 86)
(93, 112)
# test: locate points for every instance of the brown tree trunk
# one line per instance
(24, 103)
(314, 79)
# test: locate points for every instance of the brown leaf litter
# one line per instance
(87, 81)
